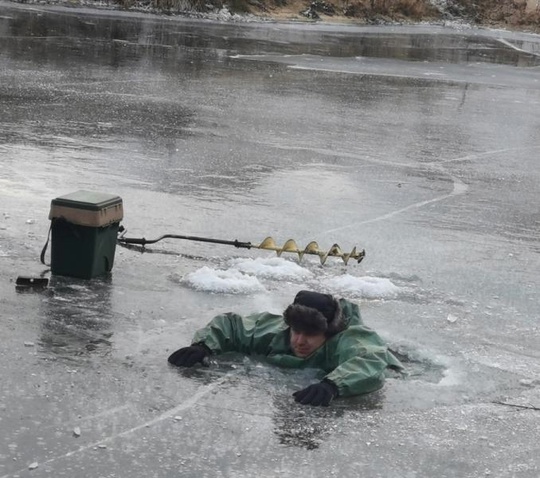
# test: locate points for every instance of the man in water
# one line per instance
(315, 331)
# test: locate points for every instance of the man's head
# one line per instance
(313, 318)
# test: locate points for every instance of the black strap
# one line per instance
(44, 250)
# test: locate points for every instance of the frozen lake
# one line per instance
(419, 144)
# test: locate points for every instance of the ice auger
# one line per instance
(290, 246)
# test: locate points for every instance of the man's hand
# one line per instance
(317, 394)
(189, 356)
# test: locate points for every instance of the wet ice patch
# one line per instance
(274, 268)
(225, 282)
(363, 287)
(420, 364)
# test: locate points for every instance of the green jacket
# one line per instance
(355, 360)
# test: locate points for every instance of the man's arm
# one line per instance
(230, 333)
(361, 362)
(359, 375)
(355, 376)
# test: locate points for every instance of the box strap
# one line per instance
(44, 250)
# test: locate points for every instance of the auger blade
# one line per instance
(352, 254)
(289, 246)
(333, 251)
(268, 244)
(359, 256)
(312, 249)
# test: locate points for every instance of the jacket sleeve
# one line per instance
(233, 333)
(361, 362)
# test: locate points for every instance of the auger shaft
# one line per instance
(142, 241)
(290, 246)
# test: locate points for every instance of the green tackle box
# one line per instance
(84, 230)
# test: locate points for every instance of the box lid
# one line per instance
(89, 200)
(88, 208)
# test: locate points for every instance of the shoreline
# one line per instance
(283, 15)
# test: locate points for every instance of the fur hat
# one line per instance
(313, 313)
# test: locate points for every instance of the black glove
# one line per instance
(189, 356)
(317, 394)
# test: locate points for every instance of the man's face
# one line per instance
(304, 345)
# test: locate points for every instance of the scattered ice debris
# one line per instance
(6, 215)
(29, 344)
(451, 318)
(243, 275)
(33, 466)
(271, 268)
(224, 14)
(77, 432)
(452, 377)
(227, 282)
(363, 287)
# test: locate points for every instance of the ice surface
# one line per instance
(435, 179)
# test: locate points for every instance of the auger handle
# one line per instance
(143, 241)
